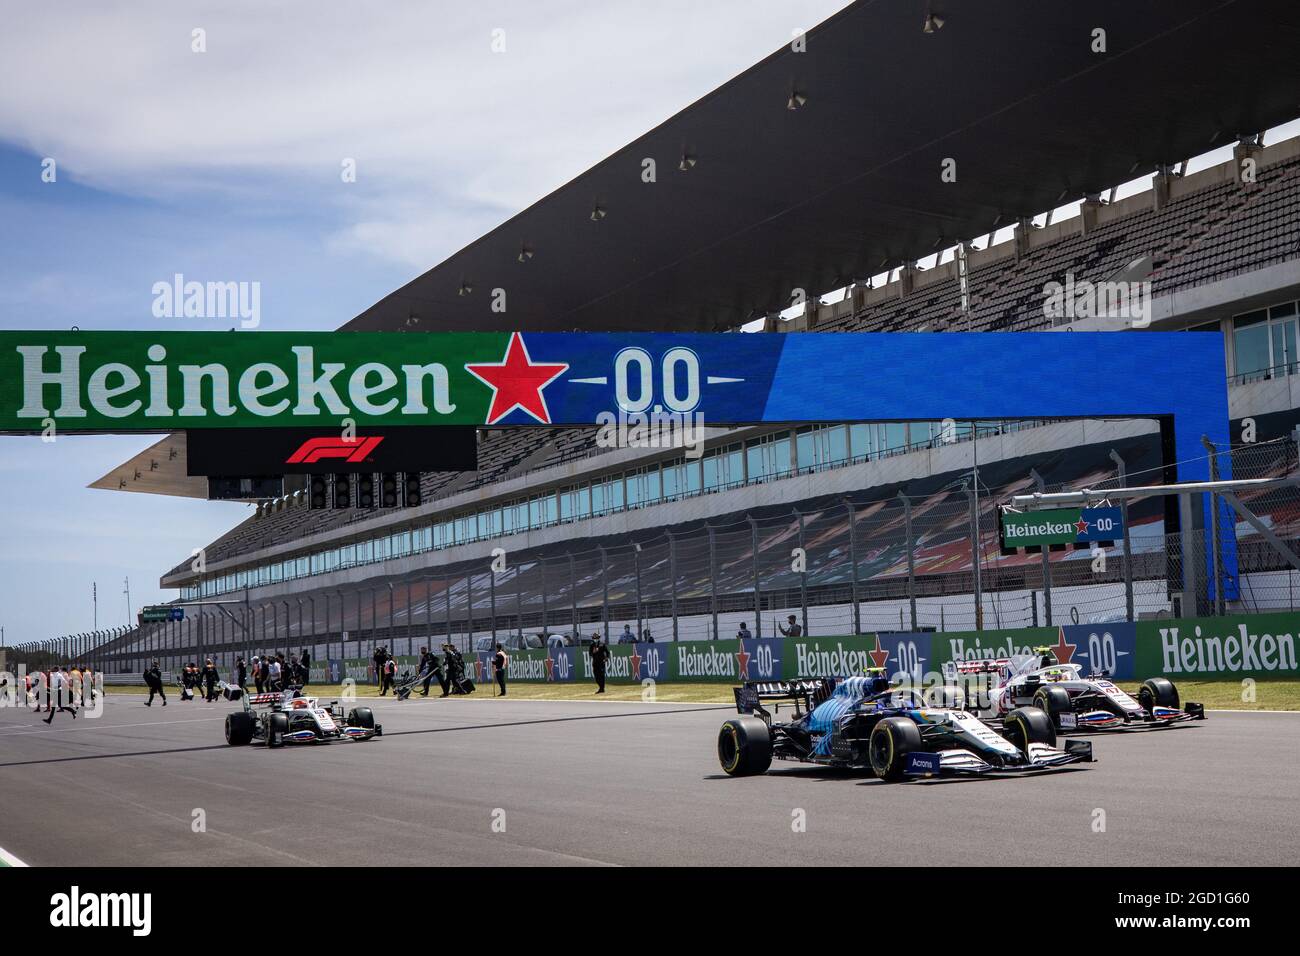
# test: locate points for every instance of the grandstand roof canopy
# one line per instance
(1015, 92)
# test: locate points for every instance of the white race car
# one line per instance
(1072, 698)
(286, 717)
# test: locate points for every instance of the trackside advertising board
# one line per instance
(1061, 526)
(1260, 646)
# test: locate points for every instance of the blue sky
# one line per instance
(224, 165)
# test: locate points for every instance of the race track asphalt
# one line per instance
(613, 783)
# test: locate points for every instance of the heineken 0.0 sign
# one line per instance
(1061, 526)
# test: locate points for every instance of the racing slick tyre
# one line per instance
(1029, 725)
(891, 741)
(1053, 701)
(277, 725)
(239, 728)
(744, 746)
(361, 717)
(1158, 692)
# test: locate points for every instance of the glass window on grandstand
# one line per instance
(768, 457)
(607, 496)
(724, 468)
(874, 440)
(1264, 342)
(821, 446)
(643, 486)
(575, 503)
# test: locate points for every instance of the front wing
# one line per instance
(958, 762)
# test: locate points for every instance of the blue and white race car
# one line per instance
(861, 722)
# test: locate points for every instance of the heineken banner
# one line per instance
(1061, 526)
(140, 381)
(662, 387)
(1257, 645)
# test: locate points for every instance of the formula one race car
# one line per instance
(286, 717)
(1073, 699)
(860, 722)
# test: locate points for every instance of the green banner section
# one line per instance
(125, 381)
(1219, 648)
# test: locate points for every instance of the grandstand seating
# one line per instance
(1212, 227)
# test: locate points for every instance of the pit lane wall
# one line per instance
(1259, 646)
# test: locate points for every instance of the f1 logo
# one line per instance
(319, 449)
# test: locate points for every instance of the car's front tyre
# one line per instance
(744, 746)
(1028, 725)
(892, 739)
(240, 727)
(1157, 692)
(277, 725)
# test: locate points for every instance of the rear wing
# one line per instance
(806, 692)
(952, 670)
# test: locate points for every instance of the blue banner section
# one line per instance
(1102, 524)
(649, 661)
(760, 659)
(905, 653)
(1102, 647)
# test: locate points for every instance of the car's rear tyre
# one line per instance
(240, 727)
(1158, 692)
(892, 739)
(361, 717)
(1028, 725)
(1053, 701)
(744, 746)
(277, 725)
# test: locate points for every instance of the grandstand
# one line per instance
(894, 517)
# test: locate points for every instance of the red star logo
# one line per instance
(742, 660)
(1081, 526)
(880, 656)
(550, 667)
(635, 660)
(517, 382)
(1062, 650)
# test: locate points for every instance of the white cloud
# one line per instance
(410, 89)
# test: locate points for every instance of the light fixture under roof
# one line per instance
(465, 289)
(597, 213)
(525, 253)
(796, 100)
(688, 161)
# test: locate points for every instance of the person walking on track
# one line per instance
(500, 662)
(153, 680)
(599, 661)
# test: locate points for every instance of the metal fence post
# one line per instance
(1047, 561)
(469, 610)
(604, 599)
(758, 597)
(1214, 527)
(853, 565)
(1128, 544)
(541, 563)
(573, 600)
(803, 577)
(975, 555)
(636, 561)
(492, 600)
(911, 555)
(713, 580)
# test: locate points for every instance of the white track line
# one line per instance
(9, 859)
